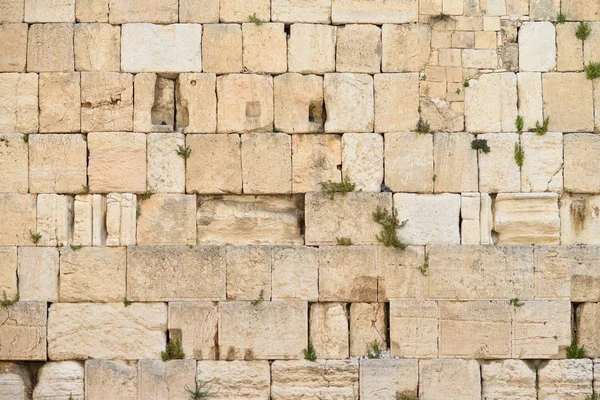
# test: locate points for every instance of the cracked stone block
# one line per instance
(19, 97)
(18, 219)
(111, 380)
(529, 88)
(368, 324)
(438, 379)
(414, 328)
(8, 271)
(166, 168)
(12, 11)
(155, 11)
(38, 274)
(60, 102)
(266, 163)
(329, 330)
(168, 380)
(491, 103)
(54, 216)
(315, 159)
(387, 378)
(298, 103)
(498, 171)
(565, 379)
(579, 216)
(295, 271)
(236, 11)
(311, 48)
(455, 163)
(91, 10)
(246, 379)
(581, 10)
(23, 331)
(508, 380)
(291, 11)
(362, 160)
(580, 169)
(358, 49)
(537, 46)
(196, 103)
(542, 169)
(49, 11)
(441, 115)
(396, 102)
(245, 103)
(167, 219)
(203, 11)
(348, 274)
(14, 39)
(97, 47)
(349, 102)
(374, 12)
(222, 48)
(569, 49)
(248, 272)
(50, 48)
(264, 48)
(106, 101)
(60, 380)
(14, 162)
(399, 275)
(405, 47)
(587, 322)
(196, 322)
(89, 220)
(568, 102)
(15, 381)
(409, 148)
(121, 219)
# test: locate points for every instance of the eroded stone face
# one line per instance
(315, 159)
(91, 10)
(311, 48)
(396, 102)
(362, 160)
(455, 163)
(166, 380)
(358, 49)
(565, 379)
(167, 219)
(264, 48)
(414, 328)
(111, 380)
(295, 273)
(60, 102)
(8, 271)
(405, 47)
(498, 171)
(368, 325)
(23, 331)
(249, 273)
(222, 48)
(568, 102)
(97, 47)
(60, 380)
(203, 11)
(245, 103)
(587, 324)
(491, 103)
(15, 381)
(266, 163)
(437, 378)
(399, 273)
(196, 103)
(106, 102)
(155, 11)
(542, 169)
(508, 379)
(248, 379)
(579, 166)
(349, 102)
(50, 48)
(14, 38)
(290, 11)
(387, 378)
(377, 12)
(329, 330)
(195, 324)
(38, 274)
(299, 105)
(19, 212)
(19, 96)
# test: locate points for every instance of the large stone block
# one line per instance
(329, 330)
(60, 380)
(236, 379)
(396, 102)
(542, 169)
(38, 274)
(587, 325)
(498, 171)
(60, 102)
(155, 11)
(368, 325)
(311, 48)
(15, 381)
(362, 160)
(97, 47)
(214, 165)
(196, 103)
(187, 278)
(14, 162)
(358, 49)
(166, 168)
(290, 11)
(50, 11)
(106, 101)
(414, 328)
(552, 273)
(23, 331)
(266, 331)
(579, 219)
(508, 380)
(236, 11)
(50, 48)
(491, 103)
(12, 11)
(109, 331)
(89, 220)
(19, 98)
(374, 12)
(154, 103)
(266, 163)
(222, 48)
(14, 39)
(315, 159)
(405, 149)
(348, 274)
(537, 46)
(54, 219)
(529, 89)
(580, 175)
(91, 10)
(170, 380)
(121, 219)
(405, 47)
(480, 58)
(565, 379)
(245, 103)
(264, 48)
(581, 10)
(8, 271)
(195, 324)
(203, 11)
(249, 273)
(388, 378)
(399, 275)
(295, 273)
(568, 102)
(299, 103)
(111, 380)
(18, 219)
(455, 163)
(449, 379)
(349, 102)
(569, 48)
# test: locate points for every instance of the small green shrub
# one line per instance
(457, 91)
(519, 154)
(466, 83)
(85, 189)
(138, 212)
(344, 241)
(201, 390)
(255, 20)
(126, 302)
(423, 126)
(147, 194)
(592, 70)
(374, 349)
(593, 396)
(6, 302)
(76, 247)
(542, 129)
(260, 299)
(515, 302)
(561, 18)
(389, 223)
(184, 152)
(26, 137)
(425, 267)
(519, 123)
(406, 395)
(309, 353)
(480, 144)
(344, 186)
(583, 31)
(574, 351)
(173, 351)
(35, 237)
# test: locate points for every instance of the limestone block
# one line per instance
(580, 166)
(97, 47)
(565, 379)
(299, 103)
(243, 379)
(89, 220)
(196, 273)
(578, 10)
(587, 320)
(14, 162)
(455, 163)
(54, 216)
(470, 211)
(374, 12)
(494, 7)
(245, 103)
(92, 274)
(167, 219)
(347, 215)
(486, 219)
(14, 39)
(60, 103)
(49, 11)
(106, 101)
(498, 171)
(222, 48)
(295, 273)
(214, 165)
(18, 219)
(264, 48)
(475, 329)
(315, 159)
(50, 48)
(405, 149)
(23, 331)
(569, 48)
(266, 163)
(311, 11)
(109, 331)
(414, 328)
(544, 10)
(480, 272)
(358, 49)
(8, 271)
(329, 330)
(168, 380)
(269, 330)
(529, 88)
(160, 48)
(568, 102)
(38, 274)
(166, 168)
(196, 324)
(248, 273)
(552, 275)
(480, 58)
(348, 274)
(543, 165)
(12, 11)
(19, 97)
(111, 380)
(398, 272)
(368, 324)
(60, 380)
(203, 11)
(349, 102)
(591, 46)
(311, 48)
(387, 378)
(196, 103)
(537, 46)
(491, 103)
(396, 102)
(155, 11)
(362, 160)
(236, 11)
(91, 10)
(485, 40)
(579, 219)
(508, 380)
(154, 103)
(295, 380)
(15, 381)
(256, 220)
(121, 219)
(438, 379)
(405, 47)
(117, 162)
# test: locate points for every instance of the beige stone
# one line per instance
(89, 220)
(387, 378)
(498, 171)
(266, 163)
(298, 103)
(362, 160)
(222, 48)
(470, 214)
(97, 47)
(569, 49)
(529, 88)
(166, 168)
(591, 46)
(8, 271)
(269, 330)
(245, 103)
(249, 273)
(38, 274)
(60, 104)
(543, 165)
(405, 149)
(597, 106)
(148, 279)
(236, 11)
(166, 380)
(15, 381)
(57, 163)
(581, 10)
(50, 48)
(368, 325)
(14, 162)
(329, 330)
(587, 319)
(23, 331)
(508, 380)
(565, 379)
(568, 102)
(485, 40)
(196, 103)
(106, 101)
(579, 219)
(544, 10)
(311, 11)
(167, 219)
(91, 10)
(311, 48)
(480, 58)
(117, 162)
(18, 219)
(236, 379)
(348, 274)
(579, 167)
(14, 39)
(203, 11)
(109, 331)
(349, 102)
(315, 159)
(455, 163)
(111, 380)
(256, 220)
(12, 11)
(60, 380)
(323, 379)
(264, 48)
(50, 11)
(464, 40)
(154, 103)
(19, 97)
(396, 102)
(121, 220)
(405, 47)
(552, 275)
(491, 103)
(195, 325)
(399, 275)
(537, 46)
(295, 273)
(358, 49)
(375, 12)
(155, 11)
(438, 379)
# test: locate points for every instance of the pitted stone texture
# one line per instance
(569, 47)
(588, 322)
(264, 48)
(19, 219)
(23, 331)
(580, 168)
(214, 165)
(266, 163)
(387, 378)
(311, 48)
(196, 273)
(398, 272)
(299, 105)
(414, 328)
(14, 39)
(537, 46)
(552, 275)
(203, 11)
(245, 103)
(323, 379)
(409, 148)
(348, 274)
(19, 97)
(441, 115)
(349, 102)
(111, 380)
(196, 323)
(54, 216)
(266, 331)
(375, 12)
(222, 48)
(106, 101)
(50, 48)
(196, 103)
(236, 11)
(14, 162)
(311, 11)
(578, 10)
(109, 331)
(249, 273)
(117, 162)
(329, 330)
(542, 169)
(315, 159)
(60, 380)
(438, 379)
(544, 9)
(508, 380)
(591, 46)
(12, 11)
(568, 102)
(368, 325)
(491, 103)
(161, 48)
(121, 219)
(89, 220)
(160, 380)
(155, 11)
(15, 381)
(60, 102)
(455, 163)
(49, 11)
(93, 274)
(166, 168)
(362, 160)
(529, 89)
(295, 273)
(498, 171)
(565, 379)
(236, 379)
(91, 10)
(579, 219)
(38, 274)
(527, 218)
(154, 108)
(405, 47)
(358, 49)
(97, 47)
(8, 271)
(396, 102)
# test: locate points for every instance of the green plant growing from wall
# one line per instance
(389, 224)
(126, 303)
(592, 70)
(480, 144)
(184, 152)
(344, 241)
(255, 20)
(423, 269)
(201, 390)
(259, 299)
(423, 126)
(515, 302)
(76, 247)
(406, 395)
(35, 237)
(374, 349)
(583, 31)
(574, 351)
(542, 129)
(6, 302)
(519, 154)
(466, 83)
(173, 351)
(146, 195)
(561, 18)
(26, 138)
(85, 189)
(593, 396)
(309, 353)
(519, 123)
(331, 188)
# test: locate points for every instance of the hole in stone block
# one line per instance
(317, 113)
(163, 109)
(252, 109)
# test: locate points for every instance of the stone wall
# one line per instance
(161, 181)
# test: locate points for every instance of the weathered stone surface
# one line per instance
(196, 273)
(348, 274)
(23, 331)
(537, 46)
(18, 221)
(455, 163)
(438, 379)
(54, 216)
(264, 48)
(405, 47)
(295, 273)
(527, 218)
(245, 103)
(195, 324)
(311, 11)
(358, 49)
(249, 273)
(544, 9)
(368, 325)
(269, 330)
(222, 48)
(97, 47)
(362, 160)
(196, 99)
(161, 48)
(38, 274)
(19, 97)
(508, 380)
(398, 272)
(155, 11)
(349, 102)
(552, 275)
(60, 380)
(60, 103)
(236, 11)
(375, 12)
(203, 11)
(396, 102)
(329, 330)
(565, 379)
(12, 11)
(154, 103)
(498, 171)
(491, 103)
(543, 165)
(109, 331)
(580, 175)
(50, 48)
(168, 380)
(106, 101)
(214, 165)
(89, 220)
(266, 163)
(480, 58)
(121, 220)
(414, 328)
(256, 220)
(91, 10)
(581, 10)
(569, 48)
(111, 380)
(8, 271)
(315, 159)
(15, 381)
(236, 379)
(117, 162)
(470, 215)
(50, 11)
(587, 323)
(14, 162)
(386, 379)
(568, 102)
(295, 380)
(14, 39)
(166, 168)
(591, 46)
(299, 103)
(404, 149)
(579, 219)
(311, 48)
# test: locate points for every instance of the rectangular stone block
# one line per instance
(222, 48)
(362, 160)
(155, 11)
(167, 219)
(344, 115)
(106, 102)
(12, 11)
(568, 102)
(89, 220)
(38, 274)
(295, 273)
(488, 108)
(565, 379)
(553, 267)
(196, 103)
(368, 325)
(315, 159)
(166, 380)
(543, 165)
(97, 47)
(579, 220)
(23, 331)
(236, 11)
(15, 381)
(50, 48)
(154, 103)
(579, 167)
(246, 379)
(91, 10)
(438, 379)
(121, 219)
(166, 168)
(60, 380)
(375, 12)
(203, 11)
(248, 273)
(311, 48)
(358, 49)
(60, 102)
(8, 271)
(399, 275)
(14, 162)
(405, 47)
(455, 163)
(54, 219)
(195, 325)
(50, 11)
(19, 97)
(529, 89)
(508, 380)
(264, 48)
(245, 103)
(214, 165)
(266, 163)
(348, 274)
(569, 48)
(290, 11)
(396, 102)
(14, 38)
(18, 219)
(537, 46)
(581, 10)
(388, 378)
(111, 380)
(414, 328)
(298, 103)
(329, 330)
(498, 171)
(587, 319)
